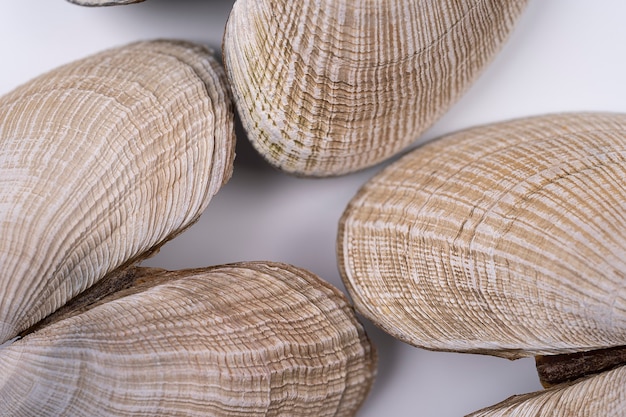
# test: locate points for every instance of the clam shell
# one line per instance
(91, 3)
(101, 161)
(599, 395)
(332, 86)
(508, 239)
(248, 339)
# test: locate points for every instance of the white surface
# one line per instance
(565, 55)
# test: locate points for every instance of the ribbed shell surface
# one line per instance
(103, 2)
(250, 339)
(600, 395)
(332, 86)
(507, 239)
(101, 160)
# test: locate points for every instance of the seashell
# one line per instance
(102, 161)
(91, 3)
(507, 239)
(599, 395)
(333, 86)
(248, 339)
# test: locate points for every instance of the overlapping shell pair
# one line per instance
(333, 86)
(102, 161)
(507, 239)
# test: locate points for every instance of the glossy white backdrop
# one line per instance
(565, 55)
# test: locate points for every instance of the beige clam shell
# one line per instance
(508, 239)
(599, 395)
(248, 339)
(92, 3)
(102, 160)
(332, 86)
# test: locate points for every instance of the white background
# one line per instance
(565, 55)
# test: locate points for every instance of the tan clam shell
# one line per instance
(332, 86)
(102, 160)
(92, 3)
(508, 239)
(249, 339)
(599, 395)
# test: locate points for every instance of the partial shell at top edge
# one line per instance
(333, 86)
(97, 3)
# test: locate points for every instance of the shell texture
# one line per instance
(101, 161)
(93, 3)
(333, 86)
(599, 395)
(507, 239)
(249, 339)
